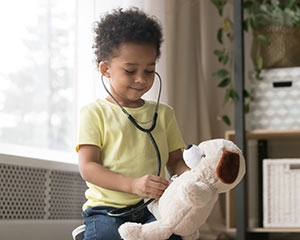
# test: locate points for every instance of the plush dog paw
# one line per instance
(193, 236)
(131, 231)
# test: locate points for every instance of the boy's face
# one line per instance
(132, 73)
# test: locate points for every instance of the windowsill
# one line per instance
(38, 157)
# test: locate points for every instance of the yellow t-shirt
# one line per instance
(124, 148)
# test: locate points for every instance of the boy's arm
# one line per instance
(176, 164)
(92, 171)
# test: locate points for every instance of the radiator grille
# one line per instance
(37, 193)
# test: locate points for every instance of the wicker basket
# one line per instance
(283, 50)
(281, 183)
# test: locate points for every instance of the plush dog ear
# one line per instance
(228, 167)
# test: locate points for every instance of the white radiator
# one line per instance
(39, 199)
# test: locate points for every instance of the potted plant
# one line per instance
(276, 32)
(276, 35)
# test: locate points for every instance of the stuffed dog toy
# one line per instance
(216, 166)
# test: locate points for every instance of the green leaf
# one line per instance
(219, 5)
(221, 73)
(219, 53)
(260, 63)
(246, 108)
(224, 60)
(220, 35)
(226, 120)
(246, 94)
(247, 4)
(233, 95)
(220, 11)
(291, 4)
(253, 23)
(257, 74)
(227, 25)
(225, 82)
(245, 25)
(263, 39)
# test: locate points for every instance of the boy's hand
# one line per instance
(149, 186)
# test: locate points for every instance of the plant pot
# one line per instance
(283, 49)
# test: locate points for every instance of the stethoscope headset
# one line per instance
(122, 212)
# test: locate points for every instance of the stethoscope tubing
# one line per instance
(123, 212)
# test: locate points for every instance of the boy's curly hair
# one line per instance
(123, 26)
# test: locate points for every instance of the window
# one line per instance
(37, 73)
(47, 72)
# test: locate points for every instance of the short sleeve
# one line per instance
(175, 140)
(89, 127)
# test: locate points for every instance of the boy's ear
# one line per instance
(104, 69)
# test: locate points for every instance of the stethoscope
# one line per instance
(122, 212)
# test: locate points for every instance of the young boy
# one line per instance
(116, 159)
